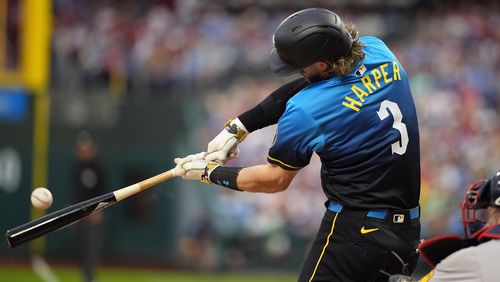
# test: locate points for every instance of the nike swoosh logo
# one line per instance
(365, 231)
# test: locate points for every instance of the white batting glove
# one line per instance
(196, 169)
(225, 145)
(179, 170)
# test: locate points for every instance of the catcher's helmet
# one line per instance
(308, 36)
(480, 195)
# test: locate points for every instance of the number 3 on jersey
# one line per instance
(385, 107)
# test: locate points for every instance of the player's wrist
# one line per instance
(236, 127)
(225, 176)
(209, 168)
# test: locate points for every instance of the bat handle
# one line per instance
(143, 185)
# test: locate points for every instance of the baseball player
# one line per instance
(473, 258)
(357, 114)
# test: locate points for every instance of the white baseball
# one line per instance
(41, 198)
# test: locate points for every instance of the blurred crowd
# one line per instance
(450, 53)
(453, 60)
(155, 48)
(161, 47)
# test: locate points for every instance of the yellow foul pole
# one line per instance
(36, 27)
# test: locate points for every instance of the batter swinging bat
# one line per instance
(64, 217)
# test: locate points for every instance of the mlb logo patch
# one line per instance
(398, 218)
(360, 71)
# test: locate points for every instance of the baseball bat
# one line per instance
(69, 215)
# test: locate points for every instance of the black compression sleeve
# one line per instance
(272, 107)
(226, 176)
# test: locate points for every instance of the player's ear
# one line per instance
(322, 66)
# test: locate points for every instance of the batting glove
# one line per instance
(192, 167)
(179, 170)
(225, 145)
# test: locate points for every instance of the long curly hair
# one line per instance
(344, 65)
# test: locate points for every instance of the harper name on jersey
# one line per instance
(364, 128)
(370, 82)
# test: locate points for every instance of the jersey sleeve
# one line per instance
(297, 137)
(269, 111)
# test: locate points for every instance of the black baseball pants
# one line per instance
(353, 246)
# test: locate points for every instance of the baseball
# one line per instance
(41, 198)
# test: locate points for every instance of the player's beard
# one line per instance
(315, 77)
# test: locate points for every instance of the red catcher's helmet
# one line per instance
(480, 195)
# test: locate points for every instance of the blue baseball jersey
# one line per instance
(364, 128)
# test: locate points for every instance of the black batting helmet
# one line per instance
(308, 36)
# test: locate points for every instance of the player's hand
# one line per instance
(179, 170)
(225, 145)
(192, 167)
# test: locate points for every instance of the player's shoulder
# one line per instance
(375, 49)
(465, 257)
(468, 263)
(373, 43)
(305, 101)
(371, 40)
(459, 263)
(306, 97)
(459, 266)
